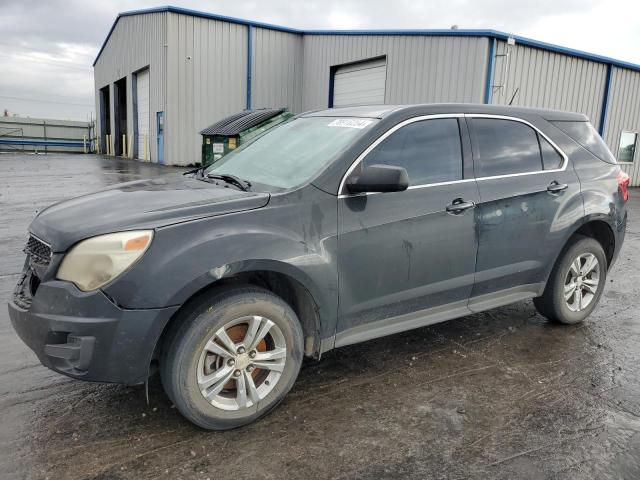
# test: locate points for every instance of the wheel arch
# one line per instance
(552, 303)
(285, 285)
(594, 226)
(600, 230)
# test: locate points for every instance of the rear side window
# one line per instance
(588, 137)
(429, 150)
(505, 147)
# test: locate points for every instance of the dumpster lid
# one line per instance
(239, 122)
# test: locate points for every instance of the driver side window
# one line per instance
(429, 150)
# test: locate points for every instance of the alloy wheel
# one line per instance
(241, 363)
(582, 281)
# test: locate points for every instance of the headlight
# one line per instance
(96, 261)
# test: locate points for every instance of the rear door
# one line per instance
(404, 260)
(524, 186)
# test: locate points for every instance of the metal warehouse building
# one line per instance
(164, 74)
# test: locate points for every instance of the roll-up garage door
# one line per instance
(360, 83)
(142, 96)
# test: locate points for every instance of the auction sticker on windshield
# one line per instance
(350, 123)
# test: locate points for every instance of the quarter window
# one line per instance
(429, 150)
(627, 149)
(587, 137)
(505, 147)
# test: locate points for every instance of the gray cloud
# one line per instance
(47, 48)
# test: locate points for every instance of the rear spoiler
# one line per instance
(555, 116)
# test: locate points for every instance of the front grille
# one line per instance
(38, 251)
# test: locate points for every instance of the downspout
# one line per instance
(249, 64)
(488, 90)
(605, 101)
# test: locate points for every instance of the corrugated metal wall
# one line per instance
(137, 41)
(624, 115)
(206, 80)
(277, 69)
(419, 68)
(548, 80)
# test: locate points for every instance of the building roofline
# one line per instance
(488, 33)
(192, 13)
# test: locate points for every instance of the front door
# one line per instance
(405, 259)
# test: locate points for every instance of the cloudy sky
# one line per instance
(47, 46)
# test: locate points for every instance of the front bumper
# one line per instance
(86, 336)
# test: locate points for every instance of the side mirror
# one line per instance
(378, 178)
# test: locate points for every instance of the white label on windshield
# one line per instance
(350, 123)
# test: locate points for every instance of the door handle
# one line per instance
(555, 187)
(458, 206)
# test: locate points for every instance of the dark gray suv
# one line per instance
(334, 228)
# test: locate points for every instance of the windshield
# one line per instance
(292, 153)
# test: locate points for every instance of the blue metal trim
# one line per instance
(408, 32)
(448, 33)
(488, 88)
(605, 101)
(223, 18)
(46, 143)
(249, 64)
(193, 13)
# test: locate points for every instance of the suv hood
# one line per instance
(141, 204)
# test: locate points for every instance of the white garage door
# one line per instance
(142, 95)
(360, 83)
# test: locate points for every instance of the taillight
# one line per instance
(623, 185)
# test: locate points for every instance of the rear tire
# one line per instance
(232, 358)
(576, 283)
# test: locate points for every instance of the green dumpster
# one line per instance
(235, 130)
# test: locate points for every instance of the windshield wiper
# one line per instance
(243, 185)
(198, 171)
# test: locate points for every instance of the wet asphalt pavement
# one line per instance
(503, 394)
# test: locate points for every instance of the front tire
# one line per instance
(575, 284)
(232, 358)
